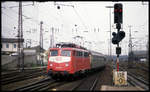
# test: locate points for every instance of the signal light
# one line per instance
(118, 37)
(114, 39)
(58, 7)
(118, 13)
(120, 10)
(118, 50)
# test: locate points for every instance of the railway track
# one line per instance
(144, 69)
(88, 83)
(10, 74)
(48, 84)
(135, 80)
(22, 76)
(54, 85)
(33, 85)
(51, 84)
(42, 85)
(17, 72)
(78, 85)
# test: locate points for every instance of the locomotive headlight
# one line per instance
(66, 64)
(51, 64)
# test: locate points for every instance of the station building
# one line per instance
(9, 45)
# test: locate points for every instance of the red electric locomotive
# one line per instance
(70, 59)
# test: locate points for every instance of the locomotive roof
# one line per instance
(72, 46)
(68, 48)
(69, 45)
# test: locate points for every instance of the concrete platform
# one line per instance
(115, 88)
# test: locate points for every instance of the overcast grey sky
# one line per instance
(88, 16)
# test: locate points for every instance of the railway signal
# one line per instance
(120, 77)
(117, 37)
(118, 50)
(114, 39)
(118, 13)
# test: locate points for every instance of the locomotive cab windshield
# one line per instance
(62, 53)
(66, 53)
(54, 53)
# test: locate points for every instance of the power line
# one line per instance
(12, 18)
(16, 19)
(79, 18)
(33, 20)
(86, 14)
(23, 16)
(9, 16)
(36, 21)
(52, 18)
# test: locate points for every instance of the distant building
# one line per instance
(35, 51)
(140, 55)
(29, 51)
(9, 45)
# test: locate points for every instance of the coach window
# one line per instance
(14, 45)
(104, 59)
(7, 45)
(65, 53)
(53, 53)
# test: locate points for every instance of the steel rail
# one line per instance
(19, 73)
(139, 79)
(6, 75)
(136, 81)
(77, 86)
(31, 84)
(21, 77)
(95, 82)
(37, 86)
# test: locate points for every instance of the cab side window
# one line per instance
(86, 54)
(74, 53)
(78, 54)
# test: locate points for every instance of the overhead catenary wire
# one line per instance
(31, 19)
(36, 21)
(12, 18)
(87, 15)
(80, 18)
